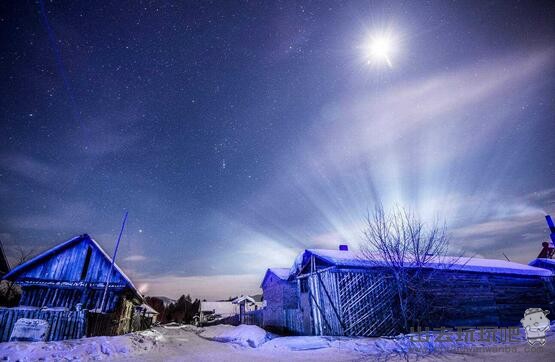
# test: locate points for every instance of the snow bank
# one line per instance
(298, 343)
(173, 325)
(93, 348)
(210, 332)
(244, 335)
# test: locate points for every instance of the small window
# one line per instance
(86, 264)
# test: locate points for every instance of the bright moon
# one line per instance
(379, 49)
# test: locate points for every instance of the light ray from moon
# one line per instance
(379, 48)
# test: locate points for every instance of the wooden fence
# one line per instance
(64, 324)
(255, 317)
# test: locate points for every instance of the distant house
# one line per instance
(229, 309)
(217, 310)
(72, 276)
(149, 315)
(340, 293)
(280, 296)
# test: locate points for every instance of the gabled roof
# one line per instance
(243, 298)
(15, 272)
(352, 259)
(543, 263)
(148, 309)
(281, 273)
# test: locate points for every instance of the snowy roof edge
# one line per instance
(350, 259)
(63, 245)
(281, 273)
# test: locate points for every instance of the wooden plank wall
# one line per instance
(480, 299)
(69, 297)
(326, 294)
(254, 317)
(293, 321)
(101, 324)
(63, 324)
(68, 264)
(366, 304)
(122, 321)
(364, 301)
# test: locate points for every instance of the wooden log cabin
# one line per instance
(338, 292)
(72, 276)
(73, 272)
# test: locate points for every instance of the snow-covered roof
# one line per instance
(356, 260)
(66, 244)
(543, 260)
(543, 263)
(148, 309)
(243, 298)
(281, 273)
(222, 308)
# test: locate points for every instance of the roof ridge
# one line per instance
(42, 255)
(67, 244)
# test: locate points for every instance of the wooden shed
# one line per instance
(280, 296)
(341, 293)
(72, 277)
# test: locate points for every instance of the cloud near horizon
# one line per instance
(210, 287)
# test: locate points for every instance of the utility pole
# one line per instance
(112, 265)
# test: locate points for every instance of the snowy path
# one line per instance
(183, 345)
(186, 345)
(189, 343)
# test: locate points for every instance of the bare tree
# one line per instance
(399, 242)
(23, 255)
(10, 292)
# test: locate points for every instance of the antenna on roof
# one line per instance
(112, 265)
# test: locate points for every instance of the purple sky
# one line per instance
(237, 134)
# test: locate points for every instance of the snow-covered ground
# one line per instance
(249, 343)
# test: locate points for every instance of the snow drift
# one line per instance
(93, 348)
(244, 335)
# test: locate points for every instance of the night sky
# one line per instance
(239, 133)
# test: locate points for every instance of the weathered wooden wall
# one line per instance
(279, 295)
(69, 297)
(482, 299)
(351, 302)
(254, 317)
(74, 272)
(362, 302)
(293, 321)
(123, 320)
(64, 324)
(82, 262)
